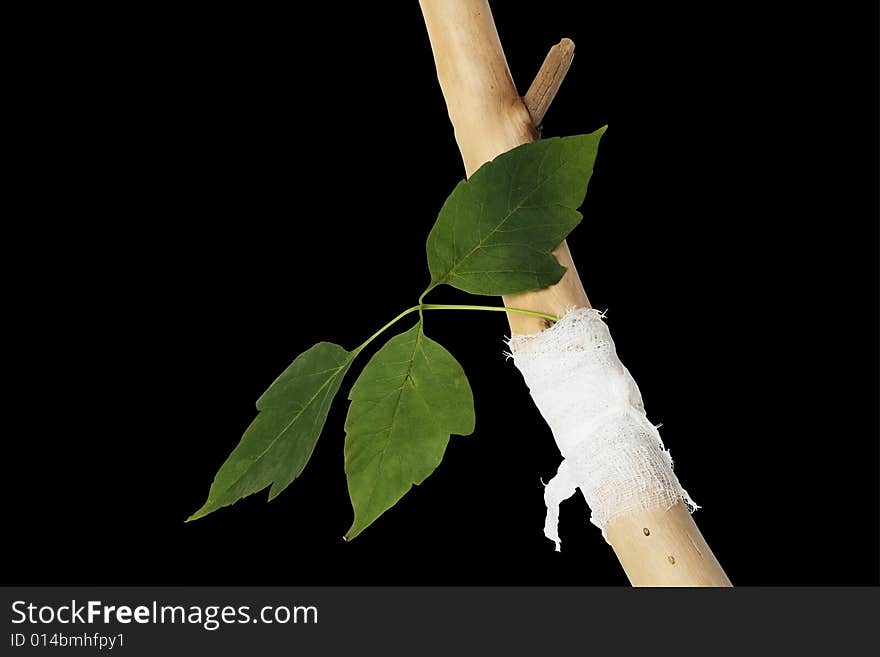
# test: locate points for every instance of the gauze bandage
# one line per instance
(593, 406)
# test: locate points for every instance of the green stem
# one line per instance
(440, 306)
(499, 309)
(387, 326)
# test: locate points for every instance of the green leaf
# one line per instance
(279, 442)
(407, 401)
(495, 232)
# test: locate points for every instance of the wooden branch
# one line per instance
(490, 118)
(548, 80)
(660, 547)
(664, 547)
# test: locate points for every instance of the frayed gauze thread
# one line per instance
(593, 406)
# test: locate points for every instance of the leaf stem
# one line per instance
(442, 306)
(375, 335)
(500, 309)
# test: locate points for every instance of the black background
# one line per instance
(205, 195)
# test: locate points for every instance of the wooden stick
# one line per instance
(660, 547)
(490, 118)
(664, 547)
(543, 89)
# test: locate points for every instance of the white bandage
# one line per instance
(593, 406)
